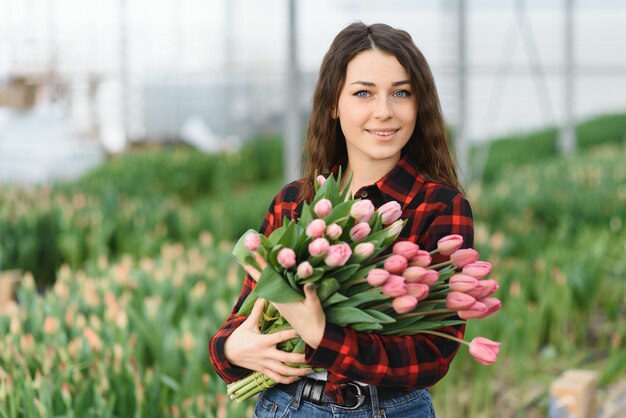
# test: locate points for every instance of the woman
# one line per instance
(376, 113)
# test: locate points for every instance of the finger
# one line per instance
(285, 357)
(254, 273)
(260, 260)
(286, 370)
(279, 378)
(255, 316)
(310, 292)
(280, 336)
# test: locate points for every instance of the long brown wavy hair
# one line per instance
(325, 144)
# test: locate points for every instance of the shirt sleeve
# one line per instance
(228, 372)
(408, 362)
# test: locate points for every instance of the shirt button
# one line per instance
(363, 193)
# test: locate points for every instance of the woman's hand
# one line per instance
(306, 317)
(248, 348)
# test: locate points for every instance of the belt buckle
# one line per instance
(360, 397)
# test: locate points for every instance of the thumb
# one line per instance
(310, 292)
(255, 316)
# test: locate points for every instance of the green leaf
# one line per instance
(366, 327)
(334, 299)
(326, 288)
(368, 296)
(382, 317)
(346, 272)
(307, 214)
(342, 210)
(348, 315)
(240, 251)
(248, 303)
(290, 237)
(273, 287)
(169, 382)
(276, 235)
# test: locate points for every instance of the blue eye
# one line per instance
(402, 93)
(362, 93)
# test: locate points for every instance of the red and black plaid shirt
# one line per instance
(432, 211)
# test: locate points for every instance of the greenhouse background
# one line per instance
(139, 140)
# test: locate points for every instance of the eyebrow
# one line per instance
(370, 84)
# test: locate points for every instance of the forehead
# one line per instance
(374, 65)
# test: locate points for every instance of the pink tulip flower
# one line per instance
(286, 257)
(484, 350)
(252, 241)
(477, 310)
(362, 210)
(462, 283)
(321, 180)
(485, 288)
(377, 277)
(422, 259)
(323, 208)
(364, 249)
(493, 306)
(449, 244)
(316, 228)
(304, 270)
(477, 269)
(406, 249)
(360, 231)
(338, 254)
(457, 301)
(390, 212)
(414, 274)
(319, 246)
(395, 264)
(461, 258)
(395, 228)
(431, 277)
(394, 286)
(333, 231)
(418, 290)
(403, 304)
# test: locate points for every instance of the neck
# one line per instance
(365, 173)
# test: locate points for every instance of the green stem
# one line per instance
(435, 251)
(436, 266)
(434, 311)
(444, 335)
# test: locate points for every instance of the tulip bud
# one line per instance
(418, 290)
(406, 249)
(461, 258)
(390, 212)
(286, 257)
(360, 231)
(485, 288)
(319, 246)
(462, 283)
(333, 231)
(321, 180)
(377, 277)
(414, 274)
(395, 264)
(403, 304)
(362, 210)
(449, 244)
(457, 301)
(493, 306)
(431, 277)
(323, 208)
(304, 270)
(316, 228)
(252, 241)
(394, 229)
(477, 269)
(477, 310)
(364, 249)
(422, 259)
(338, 254)
(484, 350)
(394, 286)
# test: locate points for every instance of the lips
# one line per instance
(382, 132)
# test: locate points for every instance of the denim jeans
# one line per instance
(274, 403)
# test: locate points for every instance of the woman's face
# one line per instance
(377, 108)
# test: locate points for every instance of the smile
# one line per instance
(381, 132)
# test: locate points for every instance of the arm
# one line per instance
(403, 361)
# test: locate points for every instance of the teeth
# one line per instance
(383, 133)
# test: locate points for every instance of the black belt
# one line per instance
(354, 395)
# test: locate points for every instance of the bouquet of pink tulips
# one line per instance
(338, 243)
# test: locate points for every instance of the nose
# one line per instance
(383, 108)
